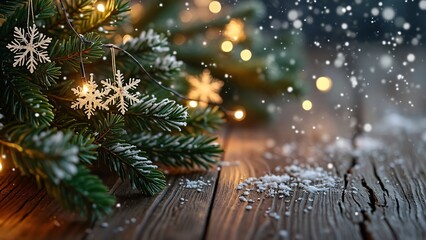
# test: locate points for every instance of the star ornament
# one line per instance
(30, 48)
(205, 89)
(89, 98)
(121, 95)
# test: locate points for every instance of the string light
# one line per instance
(307, 105)
(227, 46)
(127, 38)
(193, 104)
(215, 7)
(100, 7)
(324, 84)
(239, 115)
(245, 55)
(85, 89)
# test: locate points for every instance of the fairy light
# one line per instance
(193, 104)
(227, 46)
(245, 55)
(239, 115)
(215, 7)
(324, 84)
(127, 38)
(85, 89)
(100, 7)
(307, 105)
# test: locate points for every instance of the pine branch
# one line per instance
(84, 193)
(46, 74)
(24, 101)
(178, 150)
(125, 159)
(150, 49)
(67, 52)
(131, 164)
(44, 153)
(87, 149)
(149, 115)
(106, 20)
(15, 12)
(204, 120)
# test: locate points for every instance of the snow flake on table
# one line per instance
(89, 98)
(205, 89)
(121, 92)
(29, 47)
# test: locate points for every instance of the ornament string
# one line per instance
(82, 40)
(152, 79)
(114, 67)
(30, 15)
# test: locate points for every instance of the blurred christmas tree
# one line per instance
(56, 123)
(229, 41)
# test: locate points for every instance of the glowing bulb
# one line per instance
(127, 38)
(215, 7)
(1, 166)
(324, 84)
(307, 105)
(245, 55)
(227, 46)
(239, 115)
(85, 89)
(100, 7)
(193, 104)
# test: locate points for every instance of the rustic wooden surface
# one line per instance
(380, 195)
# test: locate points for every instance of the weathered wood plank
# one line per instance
(303, 215)
(165, 216)
(26, 212)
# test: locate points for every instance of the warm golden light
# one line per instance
(324, 84)
(127, 38)
(239, 115)
(307, 105)
(100, 7)
(215, 7)
(85, 89)
(245, 55)
(234, 30)
(193, 104)
(227, 46)
(1, 166)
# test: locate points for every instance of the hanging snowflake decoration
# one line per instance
(205, 89)
(121, 91)
(89, 98)
(29, 47)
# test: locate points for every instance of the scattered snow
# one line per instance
(310, 179)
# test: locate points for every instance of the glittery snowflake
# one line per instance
(29, 47)
(205, 89)
(89, 98)
(121, 91)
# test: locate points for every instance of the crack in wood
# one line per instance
(363, 226)
(371, 195)
(354, 162)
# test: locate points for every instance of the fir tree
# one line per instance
(56, 123)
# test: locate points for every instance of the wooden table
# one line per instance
(380, 193)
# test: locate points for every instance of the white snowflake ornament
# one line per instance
(205, 89)
(29, 47)
(121, 92)
(89, 98)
